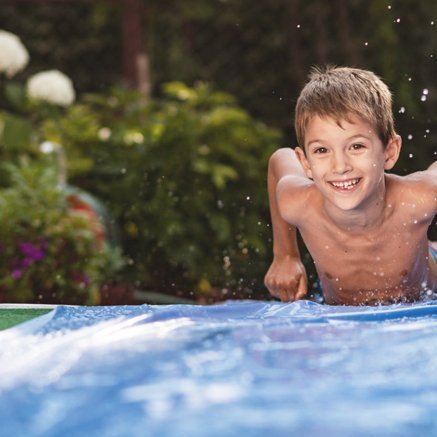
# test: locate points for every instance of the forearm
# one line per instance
(282, 163)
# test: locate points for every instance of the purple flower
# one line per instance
(26, 262)
(32, 251)
(17, 273)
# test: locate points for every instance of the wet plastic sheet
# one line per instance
(240, 368)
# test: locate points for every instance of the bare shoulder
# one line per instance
(297, 197)
(418, 189)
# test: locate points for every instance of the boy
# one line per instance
(366, 230)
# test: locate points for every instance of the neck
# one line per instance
(368, 215)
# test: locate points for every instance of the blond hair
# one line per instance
(339, 92)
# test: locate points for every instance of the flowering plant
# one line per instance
(13, 55)
(24, 106)
(51, 86)
(52, 244)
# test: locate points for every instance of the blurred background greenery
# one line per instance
(179, 105)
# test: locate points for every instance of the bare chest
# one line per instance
(389, 258)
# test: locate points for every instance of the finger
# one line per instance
(289, 292)
(273, 289)
(302, 288)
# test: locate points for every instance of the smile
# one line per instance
(345, 185)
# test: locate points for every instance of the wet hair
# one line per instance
(338, 93)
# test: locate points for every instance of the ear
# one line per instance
(392, 151)
(304, 162)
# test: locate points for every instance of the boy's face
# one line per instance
(347, 161)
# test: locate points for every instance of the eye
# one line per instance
(320, 150)
(357, 146)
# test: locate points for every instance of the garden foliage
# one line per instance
(184, 176)
(51, 250)
(53, 242)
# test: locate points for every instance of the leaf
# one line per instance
(15, 94)
(16, 133)
(221, 174)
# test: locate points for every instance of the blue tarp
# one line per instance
(236, 369)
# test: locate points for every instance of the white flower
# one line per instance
(13, 55)
(51, 86)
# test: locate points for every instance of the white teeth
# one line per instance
(346, 184)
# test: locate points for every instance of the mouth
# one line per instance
(347, 185)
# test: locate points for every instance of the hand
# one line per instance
(286, 279)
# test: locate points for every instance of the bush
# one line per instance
(184, 176)
(52, 248)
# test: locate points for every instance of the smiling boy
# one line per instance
(365, 230)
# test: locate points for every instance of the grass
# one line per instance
(13, 316)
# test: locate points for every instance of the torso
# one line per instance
(384, 264)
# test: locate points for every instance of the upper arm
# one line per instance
(431, 183)
(432, 176)
(284, 162)
(423, 189)
(293, 197)
(433, 168)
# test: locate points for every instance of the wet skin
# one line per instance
(366, 230)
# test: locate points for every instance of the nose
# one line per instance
(340, 163)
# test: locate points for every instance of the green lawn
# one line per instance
(13, 316)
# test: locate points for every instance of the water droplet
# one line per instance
(402, 110)
(423, 98)
(410, 137)
(123, 171)
(247, 197)
(410, 155)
